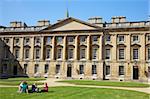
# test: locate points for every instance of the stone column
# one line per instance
(42, 48)
(21, 49)
(128, 66)
(32, 48)
(142, 55)
(53, 48)
(114, 48)
(88, 48)
(64, 48)
(76, 48)
(100, 48)
(114, 65)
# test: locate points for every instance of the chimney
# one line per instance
(43, 23)
(16, 24)
(95, 20)
(118, 19)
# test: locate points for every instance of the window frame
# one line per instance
(121, 70)
(135, 54)
(94, 69)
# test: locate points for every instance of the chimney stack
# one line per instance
(118, 19)
(95, 20)
(16, 24)
(43, 23)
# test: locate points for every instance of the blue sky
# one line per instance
(30, 11)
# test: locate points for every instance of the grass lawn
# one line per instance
(106, 83)
(74, 93)
(16, 81)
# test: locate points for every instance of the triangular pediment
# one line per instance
(71, 24)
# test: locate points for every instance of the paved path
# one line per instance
(53, 83)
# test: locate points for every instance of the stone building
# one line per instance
(71, 48)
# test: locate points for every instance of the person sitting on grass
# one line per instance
(34, 88)
(24, 87)
(20, 86)
(45, 89)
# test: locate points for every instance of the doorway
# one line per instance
(135, 73)
(15, 70)
(69, 71)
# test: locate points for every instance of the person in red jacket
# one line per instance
(45, 89)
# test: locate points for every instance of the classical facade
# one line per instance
(71, 48)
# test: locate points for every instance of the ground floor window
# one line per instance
(57, 69)
(94, 69)
(121, 70)
(4, 68)
(107, 70)
(25, 68)
(46, 68)
(81, 69)
(36, 68)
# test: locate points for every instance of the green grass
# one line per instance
(74, 93)
(106, 83)
(16, 81)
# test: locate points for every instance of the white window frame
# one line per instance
(121, 54)
(82, 53)
(26, 55)
(135, 53)
(59, 53)
(59, 39)
(95, 38)
(81, 69)
(148, 54)
(17, 53)
(37, 53)
(57, 71)
(36, 68)
(17, 40)
(95, 53)
(135, 38)
(25, 68)
(121, 70)
(70, 53)
(107, 54)
(94, 69)
(108, 38)
(82, 39)
(70, 39)
(26, 41)
(48, 40)
(37, 40)
(121, 38)
(46, 68)
(108, 70)
(48, 53)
